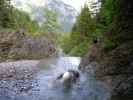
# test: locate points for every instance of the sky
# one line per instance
(77, 4)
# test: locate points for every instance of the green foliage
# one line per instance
(80, 50)
(6, 14)
(64, 42)
(23, 20)
(87, 28)
(76, 44)
(50, 24)
(104, 22)
(14, 19)
(108, 45)
(121, 28)
(85, 24)
(107, 13)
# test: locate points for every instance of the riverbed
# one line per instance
(35, 80)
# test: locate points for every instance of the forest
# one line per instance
(89, 26)
(102, 38)
(13, 18)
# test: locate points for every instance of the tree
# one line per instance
(81, 35)
(50, 23)
(6, 20)
(85, 24)
(13, 18)
(23, 20)
(105, 21)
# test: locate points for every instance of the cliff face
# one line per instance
(17, 45)
(115, 67)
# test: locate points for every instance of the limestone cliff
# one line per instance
(115, 66)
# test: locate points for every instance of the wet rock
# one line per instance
(18, 70)
(18, 77)
(116, 69)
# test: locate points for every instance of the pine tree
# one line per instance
(6, 20)
(82, 33)
(23, 20)
(51, 24)
(85, 24)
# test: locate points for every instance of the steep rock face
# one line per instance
(115, 67)
(66, 13)
(17, 45)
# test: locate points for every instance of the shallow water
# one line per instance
(44, 86)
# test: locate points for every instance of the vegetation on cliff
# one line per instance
(116, 64)
(13, 18)
(114, 23)
(113, 27)
(21, 35)
(77, 42)
(105, 25)
(89, 26)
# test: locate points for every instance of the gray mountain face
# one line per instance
(66, 13)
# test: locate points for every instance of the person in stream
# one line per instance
(69, 78)
(92, 54)
(93, 50)
(66, 79)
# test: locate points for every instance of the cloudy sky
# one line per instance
(77, 4)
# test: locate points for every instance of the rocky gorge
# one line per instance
(115, 66)
(22, 55)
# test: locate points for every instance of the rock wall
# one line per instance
(17, 45)
(115, 67)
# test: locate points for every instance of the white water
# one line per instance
(43, 87)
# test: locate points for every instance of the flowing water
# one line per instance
(44, 87)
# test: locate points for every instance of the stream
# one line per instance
(43, 86)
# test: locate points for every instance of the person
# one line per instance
(93, 50)
(91, 55)
(69, 78)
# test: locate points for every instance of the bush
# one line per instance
(79, 50)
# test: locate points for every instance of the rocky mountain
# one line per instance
(66, 13)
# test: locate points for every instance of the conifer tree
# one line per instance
(50, 23)
(84, 24)
(6, 20)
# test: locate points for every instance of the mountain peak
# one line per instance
(66, 13)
